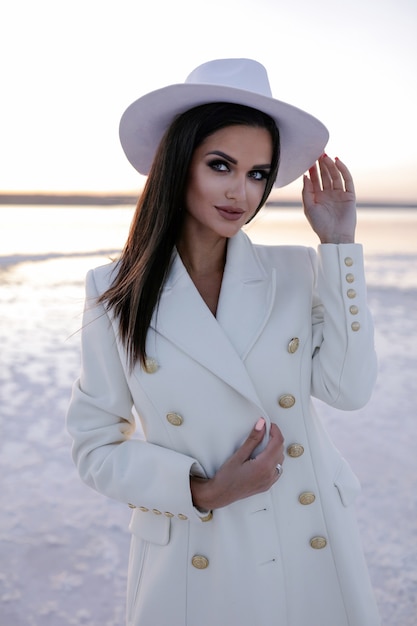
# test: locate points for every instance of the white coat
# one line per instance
(290, 325)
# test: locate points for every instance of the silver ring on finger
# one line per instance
(280, 469)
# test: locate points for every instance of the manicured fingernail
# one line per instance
(323, 155)
(336, 159)
(260, 424)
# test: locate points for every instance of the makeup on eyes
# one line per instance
(225, 159)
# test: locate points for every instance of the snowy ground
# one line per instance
(63, 548)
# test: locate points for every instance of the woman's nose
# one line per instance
(237, 188)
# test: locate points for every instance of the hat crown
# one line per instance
(244, 74)
(240, 81)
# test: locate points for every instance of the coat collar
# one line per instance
(219, 343)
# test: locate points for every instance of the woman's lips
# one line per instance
(230, 213)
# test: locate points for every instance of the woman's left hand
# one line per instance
(329, 201)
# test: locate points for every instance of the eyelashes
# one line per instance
(219, 165)
(259, 174)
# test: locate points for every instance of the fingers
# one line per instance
(277, 452)
(330, 175)
(314, 176)
(243, 475)
(273, 455)
(274, 451)
(347, 176)
(253, 440)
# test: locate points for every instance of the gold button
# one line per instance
(351, 293)
(207, 517)
(156, 512)
(295, 450)
(144, 509)
(307, 497)
(286, 401)
(293, 345)
(350, 278)
(151, 365)
(355, 326)
(318, 543)
(175, 419)
(182, 516)
(131, 506)
(354, 309)
(168, 514)
(348, 261)
(200, 562)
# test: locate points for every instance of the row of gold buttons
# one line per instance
(295, 450)
(351, 294)
(307, 497)
(201, 562)
(181, 516)
(286, 401)
(145, 509)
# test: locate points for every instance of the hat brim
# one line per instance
(143, 124)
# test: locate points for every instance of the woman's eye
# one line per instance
(219, 166)
(258, 174)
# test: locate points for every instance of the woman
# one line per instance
(242, 506)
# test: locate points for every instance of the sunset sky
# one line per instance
(69, 69)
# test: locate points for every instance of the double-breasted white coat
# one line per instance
(290, 324)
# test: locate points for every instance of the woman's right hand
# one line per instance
(241, 475)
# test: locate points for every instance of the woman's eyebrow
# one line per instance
(223, 155)
(227, 157)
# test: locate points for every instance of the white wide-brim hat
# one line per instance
(241, 81)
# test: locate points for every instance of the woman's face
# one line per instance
(226, 180)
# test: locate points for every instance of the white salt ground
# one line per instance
(64, 548)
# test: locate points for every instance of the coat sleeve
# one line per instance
(344, 360)
(101, 424)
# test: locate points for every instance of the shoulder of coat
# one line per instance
(104, 275)
(276, 255)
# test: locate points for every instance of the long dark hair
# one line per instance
(156, 225)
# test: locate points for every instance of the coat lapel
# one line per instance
(219, 343)
(247, 295)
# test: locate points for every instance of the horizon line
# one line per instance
(106, 198)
